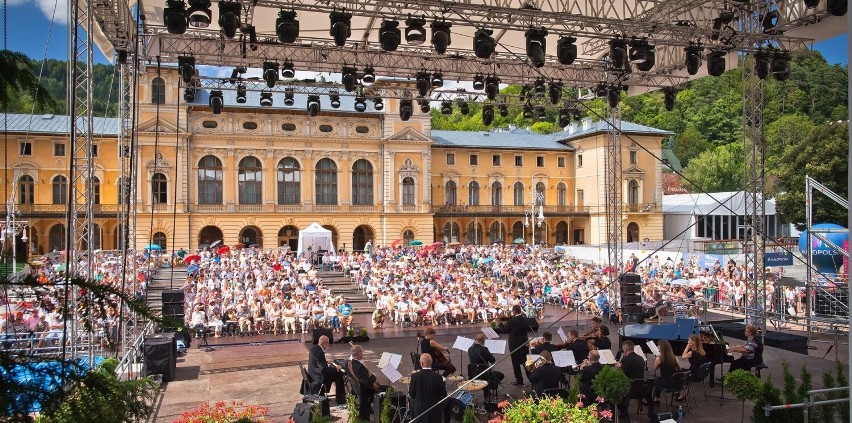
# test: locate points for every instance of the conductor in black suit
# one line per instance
(324, 374)
(426, 390)
(358, 371)
(546, 376)
(480, 359)
(517, 327)
(633, 367)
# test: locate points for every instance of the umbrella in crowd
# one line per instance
(487, 260)
(154, 247)
(395, 243)
(192, 257)
(416, 242)
(239, 246)
(223, 250)
(679, 282)
(518, 241)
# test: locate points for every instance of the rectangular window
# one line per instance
(539, 161)
(519, 161)
(94, 150)
(580, 199)
(474, 160)
(579, 160)
(634, 157)
(59, 149)
(495, 160)
(451, 159)
(560, 161)
(26, 148)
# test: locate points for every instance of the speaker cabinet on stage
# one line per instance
(321, 332)
(173, 296)
(160, 353)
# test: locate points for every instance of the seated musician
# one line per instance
(357, 370)
(545, 375)
(694, 353)
(633, 367)
(482, 358)
(594, 332)
(440, 354)
(545, 345)
(603, 343)
(323, 373)
(667, 365)
(578, 346)
(752, 351)
(588, 370)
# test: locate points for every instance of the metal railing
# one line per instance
(128, 367)
(508, 210)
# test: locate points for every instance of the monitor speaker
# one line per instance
(321, 332)
(173, 296)
(160, 353)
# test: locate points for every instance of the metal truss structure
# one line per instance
(613, 199)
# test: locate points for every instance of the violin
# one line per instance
(593, 334)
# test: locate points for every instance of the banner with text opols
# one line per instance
(778, 259)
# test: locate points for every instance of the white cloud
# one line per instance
(60, 16)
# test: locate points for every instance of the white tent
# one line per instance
(734, 203)
(315, 238)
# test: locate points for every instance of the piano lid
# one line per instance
(681, 329)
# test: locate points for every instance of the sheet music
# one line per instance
(392, 373)
(490, 333)
(462, 343)
(532, 357)
(561, 333)
(607, 357)
(390, 359)
(564, 358)
(496, 346)
(653, 347)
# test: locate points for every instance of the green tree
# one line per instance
(689, 144)
(17, 78)
(788, 130)
(720, 169)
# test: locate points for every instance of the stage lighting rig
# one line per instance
(265, 99)
(235, 74)
(522, 95)
(555, 91)
(288, 97)
(566, 50)
(313, 105)
(241, 93)
(618, 54)
(406, 109)
(716, 63)
(415, 31)
(761, 63)
(349, 77)
(423, 83)
(528, 111)
(252, 36)
(463, 106)
(613, 96)
(334, 98)
(483, 43)
(288, 70)
(769, 20)
(441, 36)
(369, 75)
(811, 4)
(270, 73)
(378, 104)
(503, 109)
(216, 101)
(341, 27)
(781, 65)
(540, 86)
(487, 114)
(669, 97)
(540, 112)
(229, 17)
(837, 7)
(360, 101)
(492, 86)
(199, 13)
(437, 80)
(478, 82)
(425, 107)
(536, 45)
(189, 95)
(564, 117)
(693, 58)
(642, 54)
(725, 18)
(174, 16)
(186, 65)
(446, 107)
(287, 26)
(389, 35)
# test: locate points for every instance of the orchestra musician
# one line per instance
(323, 373)
(695, 354)
(595, 332)
(426, 390)
(439, 353)
(633, 367)
(480, 357)
(752, 351)
(577, 345)
(365, 380)
(667, 365)
(517, 327)
(545, 344)
(588, 370)
(546, 375)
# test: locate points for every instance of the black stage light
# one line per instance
(288, 97)
(378, 104)
(241, 93)
(463, 107)
(288, 70)
(349, 77)
(536, 45)
(478, 82)
(334, 98)
(650, 60)
(216, 101)
(369, 75)
(576, 113)
(423, 83)
(769, 20)
(174, 16)
(189, 95)
(761, 63)
(252, 34)
(313, 105)
(389, 35)
(564, 117)
(601, 90)
(503, 109)
(523, 94)
(555, 91)
(483, 43)
(540, 112)
(265, 99)
(425, 107)
(415, 31)
(199, 13)
(528, 111)
(492, 86)
(566, 50)
(613, 96)
(716, 63)
(693, 58)
(811, 4)
(287, 26)
(341, 27)
(725, 18)
(270, 73)
(406, 108)
(186, 64)
(540, 86)
(642, 54)
(618, 54)
(235, 75)
(781, 65)
(837, 7)
(670, 95)
(360, 103)
(441, 36)
(446, 107)
(229, 17)
(487, 114)
(437, 79)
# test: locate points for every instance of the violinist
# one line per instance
(595, 332)
(440, 354)
(579, 347)
(545, 344)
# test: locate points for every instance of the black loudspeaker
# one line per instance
(630, 291)
(172, 296)
(321, 332)
(172, 309)
(161, 356)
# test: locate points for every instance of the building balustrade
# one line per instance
(458, 209)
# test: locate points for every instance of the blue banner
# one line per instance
(778, 259)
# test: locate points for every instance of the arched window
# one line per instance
(474, 233)
(633, 232)
(633, 192)
(473, 193)
(518, 232)
(289, 181)
(539, 194)
(407, 237)
(496, 194)
(158, 91)
(26, 189)
(451, 193)
(159, 239)
(561, 233)
(96, 237)
(519, 193)
(451, 232)
(159, 188)
(560, 194)
(408, 191)
(326, 182)
(498, 232)
(60, 190)
(209, 180)
(362, 182)
(250, 179)
(96, 190)
(56, 237)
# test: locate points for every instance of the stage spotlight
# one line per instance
(334, 98)
(369, 75)
(252, 34)
(649, 62)
(564, 118)
(555, 91)
(313, 105)
(378, 104)
(716, 63)
(216, 101)
(761, 63)
(601, 90)
(415, 31)
(287, 26)
(437, 79)
(241, 93)
(576, 113)
(642, 54)
(441, 36)
(425, 107)
(288, 70)
(669, 97)
(406, 108)
(288, 97)
(693, 58)
(189, 95)
(487, 114)
(781, 65)
(540, 112)
(566, 50)
(199, 13)
(389, 35)
(265, 99)
(618, 54)
(483, 43)
(270, 73)
(540, 86)
(463, 107)
(492, 86)
(536, 45)
(186, 64)
(423, 83)
(174, 16)
(349, 77)
(769, 21)
(446, 107)
(478, 82)
(837, 7)
(725, 18)
(235, 75)
(503, 109)
(613, 96)
(229, 17)
(528, 111)
(360, 103)
(341, 27)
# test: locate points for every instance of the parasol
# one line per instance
(395, 243)
(154, 247)
(416, 242)
(518, 241)
(223, 250)
(192, 257)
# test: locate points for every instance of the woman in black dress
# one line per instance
(694, 352)
(666, 366)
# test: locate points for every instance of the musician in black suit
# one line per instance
(427, 388)
(634, 367)
(324, 374)
(517, 327)
(358, 371)
(588, 370)
(546, 375)
(480, 357)
(578, 346)
(546, 345)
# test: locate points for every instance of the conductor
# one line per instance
(426, 390)
(517, 327)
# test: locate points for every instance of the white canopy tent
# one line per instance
(315, 238)
(733, 203)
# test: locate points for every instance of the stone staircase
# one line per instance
(342, 285)
(163, 279)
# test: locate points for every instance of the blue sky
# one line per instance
(29, 28)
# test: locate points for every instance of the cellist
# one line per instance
(440, 354)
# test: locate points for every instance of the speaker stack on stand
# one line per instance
(172, 301)
(630, 289)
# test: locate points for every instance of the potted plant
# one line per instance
(611, 385)
(745, 386)
(546, 409)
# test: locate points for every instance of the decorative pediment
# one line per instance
(159, 125)
(409, 134)
(409, 168)
(158, 164)
(634, 172)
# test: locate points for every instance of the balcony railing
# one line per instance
(505, 210)
(62, 208)
(641, 207)
(249, 208)
(209, 208)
